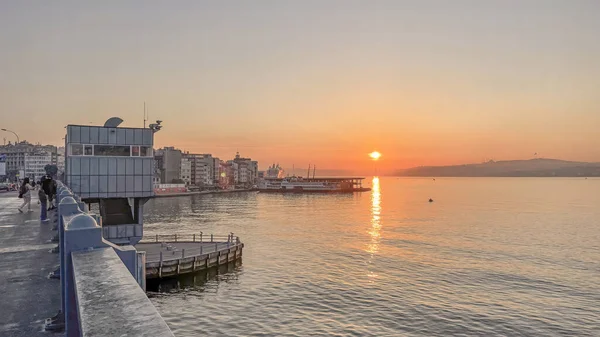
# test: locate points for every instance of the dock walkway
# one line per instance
(170, 255)
(28, 296)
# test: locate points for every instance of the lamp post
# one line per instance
(14, 133)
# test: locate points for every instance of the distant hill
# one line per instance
(508, 168)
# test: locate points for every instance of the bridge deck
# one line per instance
(28, 296)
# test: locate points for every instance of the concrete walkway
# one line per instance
(27, 296)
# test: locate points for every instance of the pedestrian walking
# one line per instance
(25, 193)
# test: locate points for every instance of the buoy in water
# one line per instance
(430, 200)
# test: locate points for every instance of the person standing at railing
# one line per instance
(43, 202)
(49, 186)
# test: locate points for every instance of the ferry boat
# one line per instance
(312, 185)
(275, 171)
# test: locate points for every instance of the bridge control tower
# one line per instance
(112, 167)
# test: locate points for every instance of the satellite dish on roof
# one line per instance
(113, 122)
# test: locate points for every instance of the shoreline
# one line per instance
(183, 194)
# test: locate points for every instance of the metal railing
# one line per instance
(200, 237)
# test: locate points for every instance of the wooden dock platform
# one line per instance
(173, 255)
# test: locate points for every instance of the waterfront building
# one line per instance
(168, 163)
(253, 171)
(223, 178)
(113, 167)
(35, 163)
(229, 174)
(186, 171)
(200, 170)
(245, 171)
(204, 173)
(157, 167)
(15, 154)
(205, 169)
(156, 179)
(216, 164)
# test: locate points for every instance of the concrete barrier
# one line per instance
(109, 300)
(83, 272)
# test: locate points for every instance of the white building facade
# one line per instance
(245, 171)
(35, 163)
(14, 157)
(205, 170)
(186, 171)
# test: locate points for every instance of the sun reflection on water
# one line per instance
(375, 230)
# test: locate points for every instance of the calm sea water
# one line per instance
(489, 257)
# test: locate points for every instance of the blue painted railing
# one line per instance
(102, 285)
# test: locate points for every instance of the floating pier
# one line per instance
(173, 255)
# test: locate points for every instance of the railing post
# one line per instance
(211, 238)
(194, 237)
(160, 265)
(216, 246)
(175, 237)
(200, 249)
(183, 253)
(156, 237)
(200, 236)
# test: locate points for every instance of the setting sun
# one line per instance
(375, 155)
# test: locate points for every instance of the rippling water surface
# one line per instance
(489, 257)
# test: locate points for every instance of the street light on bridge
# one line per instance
(14, 133)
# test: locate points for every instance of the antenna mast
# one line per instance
(308, 174)
(314, 169)
(144, 114)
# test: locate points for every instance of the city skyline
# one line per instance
(325, 83)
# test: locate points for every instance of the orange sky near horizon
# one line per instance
(312, 82)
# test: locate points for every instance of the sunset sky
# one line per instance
(321, 82)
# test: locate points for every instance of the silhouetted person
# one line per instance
(43, 201)
(49, 187)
